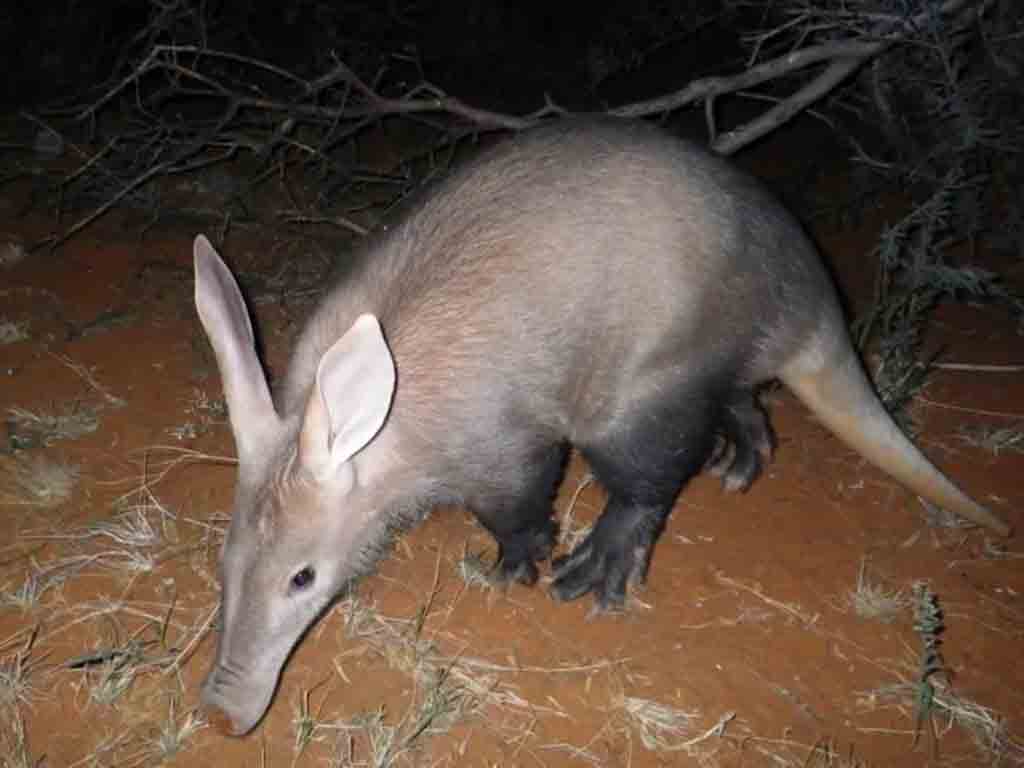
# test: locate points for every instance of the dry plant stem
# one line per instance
(803, 618)
(91, 161)
(845, 57)
(849, 56)
(978, 368)
(181, 160)
(85, 374)
(975, 411)
(164, 467)
(127, 189)
(186, 653)
(335, 221)
(168, 57)
(565, 532)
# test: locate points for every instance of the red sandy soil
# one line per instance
(747, 619)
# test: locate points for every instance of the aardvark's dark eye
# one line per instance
(303, 578)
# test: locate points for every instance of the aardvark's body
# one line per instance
(591, 282)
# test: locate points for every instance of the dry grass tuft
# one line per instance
(134, 541)
(870, 600)
(108, 673)
(12, 331)
(37, 482)
(14, 747)
(29, 594)
(434, 709)
(203, 412)
(924, 687)
(991, 735)
(995, 440)
(174, 731)
(16, 668)
(475, 571)
(32, 429)
(307, 724)
(661, 727)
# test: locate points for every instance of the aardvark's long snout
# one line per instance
(234, 704)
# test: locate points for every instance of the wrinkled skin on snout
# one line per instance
(303, 525)
(273, 588)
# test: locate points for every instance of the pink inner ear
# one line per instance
(315, 434)
(355, 382)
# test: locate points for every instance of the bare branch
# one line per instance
(842, 58)
(338, 104)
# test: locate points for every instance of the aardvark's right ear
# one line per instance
(350, 401)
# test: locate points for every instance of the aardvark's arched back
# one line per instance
(594, 283)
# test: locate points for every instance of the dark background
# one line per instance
(488, 52)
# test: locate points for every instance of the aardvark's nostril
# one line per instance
(222, 722)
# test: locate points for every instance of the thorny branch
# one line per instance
(337, 105)
(842, 57)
